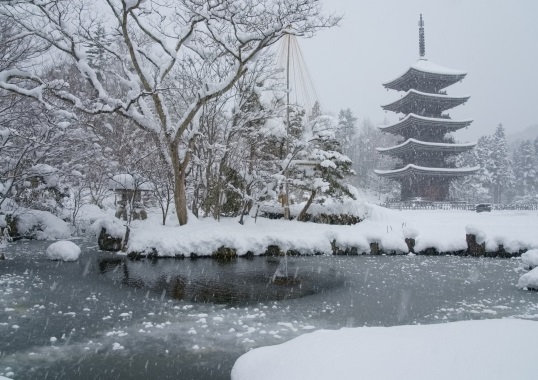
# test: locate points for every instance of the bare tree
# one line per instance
(159, 49)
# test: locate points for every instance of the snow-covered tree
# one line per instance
(526, 171)
(347, 130)
(366, 159)
(474, 188)
(502, 176)
(170, 57)
(320, 168)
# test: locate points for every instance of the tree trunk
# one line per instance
(180, 196)
(302, 214)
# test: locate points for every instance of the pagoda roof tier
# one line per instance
(413, 121)
(425, 171)
(431, 103)
(424, 75)
(412, 145)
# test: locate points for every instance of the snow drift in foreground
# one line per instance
(486, 349)
(63, 250)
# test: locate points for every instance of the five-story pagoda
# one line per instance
(427, 171)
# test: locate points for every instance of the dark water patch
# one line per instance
(230, 282)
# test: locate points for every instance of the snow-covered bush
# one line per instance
(40, 225)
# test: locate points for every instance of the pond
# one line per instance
(107, 317)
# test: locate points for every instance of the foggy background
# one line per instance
(494, 41)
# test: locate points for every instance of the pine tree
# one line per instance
(316, 111)
(525, 171)
(347, 129)
(502, 175)
(322, 167)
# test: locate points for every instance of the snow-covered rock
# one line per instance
(529, 259)
(461, 350)
(63, 250)
(529, 280)
(114, 227)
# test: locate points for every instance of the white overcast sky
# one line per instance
(494, 41)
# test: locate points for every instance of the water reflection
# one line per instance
(223, 282)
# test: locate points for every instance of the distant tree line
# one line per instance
(507, 174)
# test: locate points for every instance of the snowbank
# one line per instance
(440, 229)
(486, 349)
(63, 250)
(529, 280)
(529, 259)
(347, 207)
(41, 225)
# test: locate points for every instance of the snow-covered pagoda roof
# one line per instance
(413, 121)
(424, 75)
(412, 169)
(416, 146)
(430, 103)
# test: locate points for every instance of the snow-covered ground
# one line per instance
(488, 349)
(440, 229)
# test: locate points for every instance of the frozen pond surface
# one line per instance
(106, 318)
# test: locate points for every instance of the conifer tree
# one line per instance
(347, 129)
(502, 175)
(525, 170)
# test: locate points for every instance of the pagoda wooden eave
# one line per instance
(413, 121)
(413, 145)
(414, 100)
(415, 170)
(426, 74)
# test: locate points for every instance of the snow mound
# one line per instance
(113, 226)
(63, 250)
(42, 225)
(480, 236)
(529, 280)
(529, 259)
(410, 233)
(461, 350)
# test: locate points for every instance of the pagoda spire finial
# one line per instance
(421, 39)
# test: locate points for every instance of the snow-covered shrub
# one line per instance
(40, 225)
